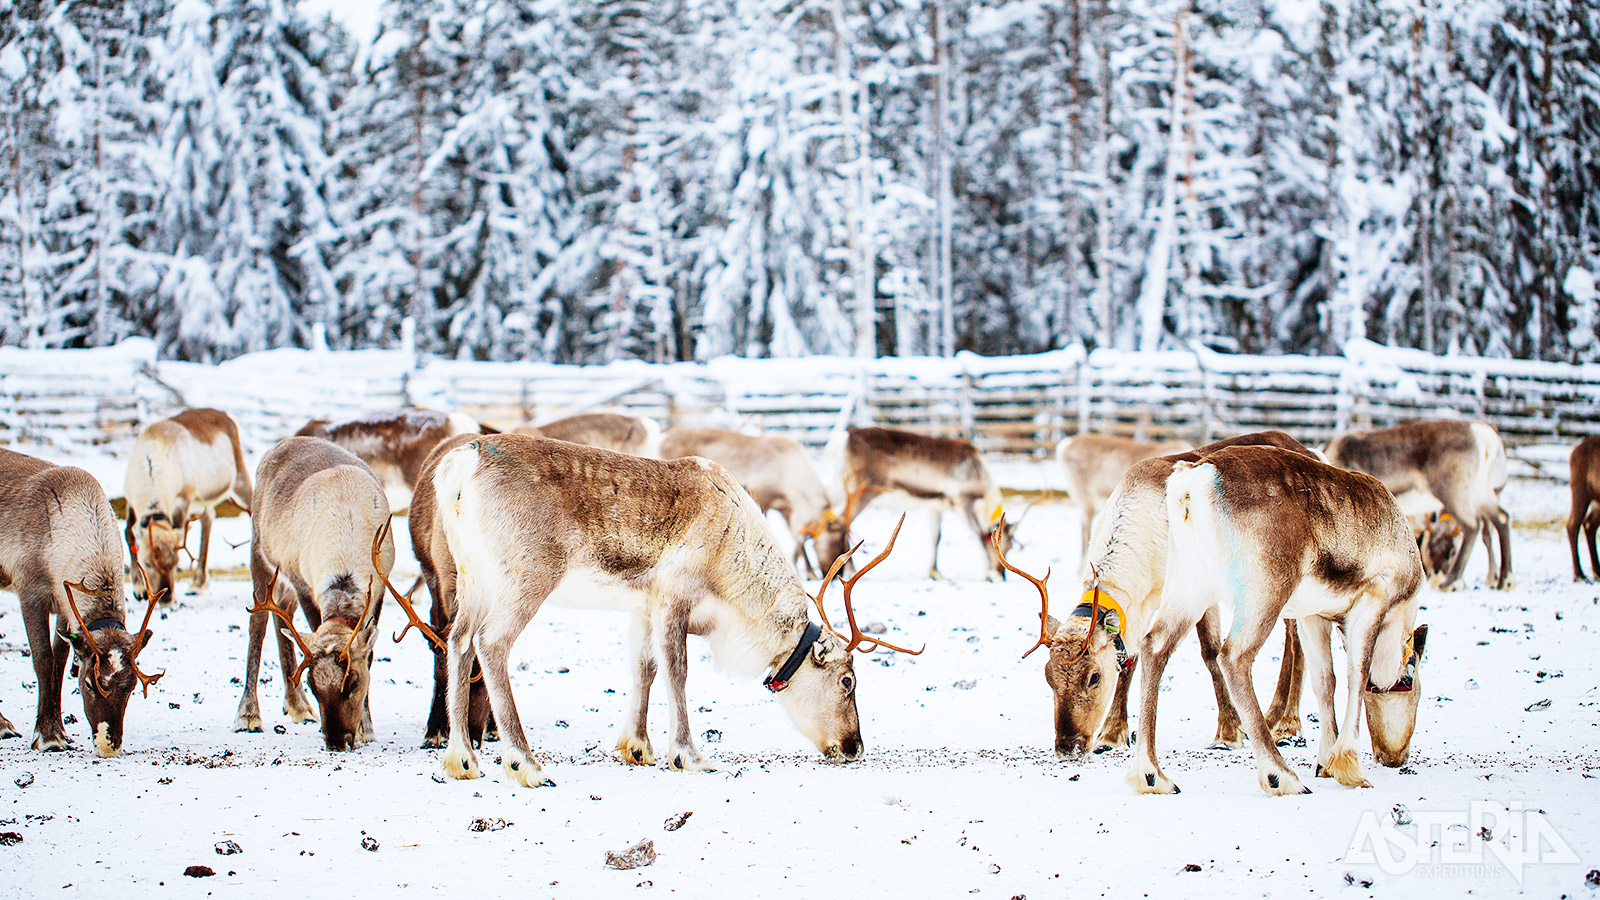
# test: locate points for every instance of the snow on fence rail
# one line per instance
(1015, 406)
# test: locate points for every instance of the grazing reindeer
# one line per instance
(181, 468)
(1095, 464)
(60, 551)
(321, 531)
(678, 544)
(633, 435)
(394, 444)
(1090, 669)
(1585, 461)
(946, 473)
(777, 474)
(1274, 535)
(1456, 466)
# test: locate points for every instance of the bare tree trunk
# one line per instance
(941, 107)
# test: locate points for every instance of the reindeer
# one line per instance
(181, 468)
(945, 473)
(395, 443)
(321, 532)
(1459, 467)
(1090, 668)
(634, 435)
(1095, 464)
(60, 551)
(678, 544)
(1275, 534)
(1585, 480)
(777, 474)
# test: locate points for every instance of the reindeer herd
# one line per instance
(606, 511)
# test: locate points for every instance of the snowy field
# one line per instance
(958, 793)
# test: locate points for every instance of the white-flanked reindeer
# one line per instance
(777, 474)
(1095, 464)
(320, 537)
(1456, 466)
(678, 544)
(1274, 534)
(1093, 652)
(942, 473)
(181, 469)
(60, 551)
(633, 435)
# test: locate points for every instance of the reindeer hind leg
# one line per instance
(1209, 629)
(493, 643)
(1283, 716)
(1238, 653)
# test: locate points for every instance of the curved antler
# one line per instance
(856, 638)
(152, 599)
(1039, 583)
(94, 649)
(268, 606)
(412, 619)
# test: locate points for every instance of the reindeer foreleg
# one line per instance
(634, 746)
(459, 760)
(1114, 731)
(248, 718)
(493, 643)
(671, 630)
(1361, 627)
(1157, 647)
(48, 732)
(1316, 641)
(202, 575)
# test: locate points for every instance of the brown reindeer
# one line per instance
(180, 470)
(678, 544)
(1095, 464)
(1094, 652)
(944, 473)
(1585, 513)
(395, 443)
(1274, 535)
(634, 435)
(320, 537)
(1459, 467)
(777, 474)
(60, 551)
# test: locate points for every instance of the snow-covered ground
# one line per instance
(958, 793)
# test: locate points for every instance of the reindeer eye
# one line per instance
(1094, 679)
(847, 683)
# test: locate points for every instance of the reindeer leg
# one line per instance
(202, 577)
(936, 526)
(1502, 526)
(1316, 642)
(1238, 653)
(493, 643)
(295, 705)
(1361, 629)
(1114, 732)
(48, 732)
(459, 760)
(1088, 523)
(1458, 565)
(1157, 647)
(1578, 520)
(634, 746)
(1283, 716)
(1209, 630)
(7, 730)
(671, 631)
(1591, 524)
(248, 718)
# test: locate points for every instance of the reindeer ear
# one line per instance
(143, 639)
(1052, 625)
(1419, 639)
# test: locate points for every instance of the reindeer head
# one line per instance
(999, 540)
(1392, 709)
(1439, 542)
(829, 537)
(106, 659)
(156, 542)
(820, 695)
(1086, 659)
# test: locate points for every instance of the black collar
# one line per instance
(105, 623)
(1115, 629)
(779, 679)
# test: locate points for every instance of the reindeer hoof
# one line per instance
(687, 760)
(1226, 742)
(525, 771)
(49, 743)
(636, 752)
(7, 730)
(1152, 783)
(460, 763)
(1282, 784)
(435, 741)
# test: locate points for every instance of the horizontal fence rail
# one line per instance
(1016, 406)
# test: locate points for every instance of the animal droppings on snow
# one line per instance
(1537, 704)
(8, 838)
(199, 872)
(279, 729)
(369, 844)
(1593, 878)
(25, 779)
(674, 822)
(1192, 867)
(965, 684)
(640, 854)
(483, 824)
(227, 848)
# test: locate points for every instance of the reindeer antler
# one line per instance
(94, 649)
(1044, 594)
(152, 599)
(412, 619)
(268, 606)
(856, 638)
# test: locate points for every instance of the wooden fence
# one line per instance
(1011, 406)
